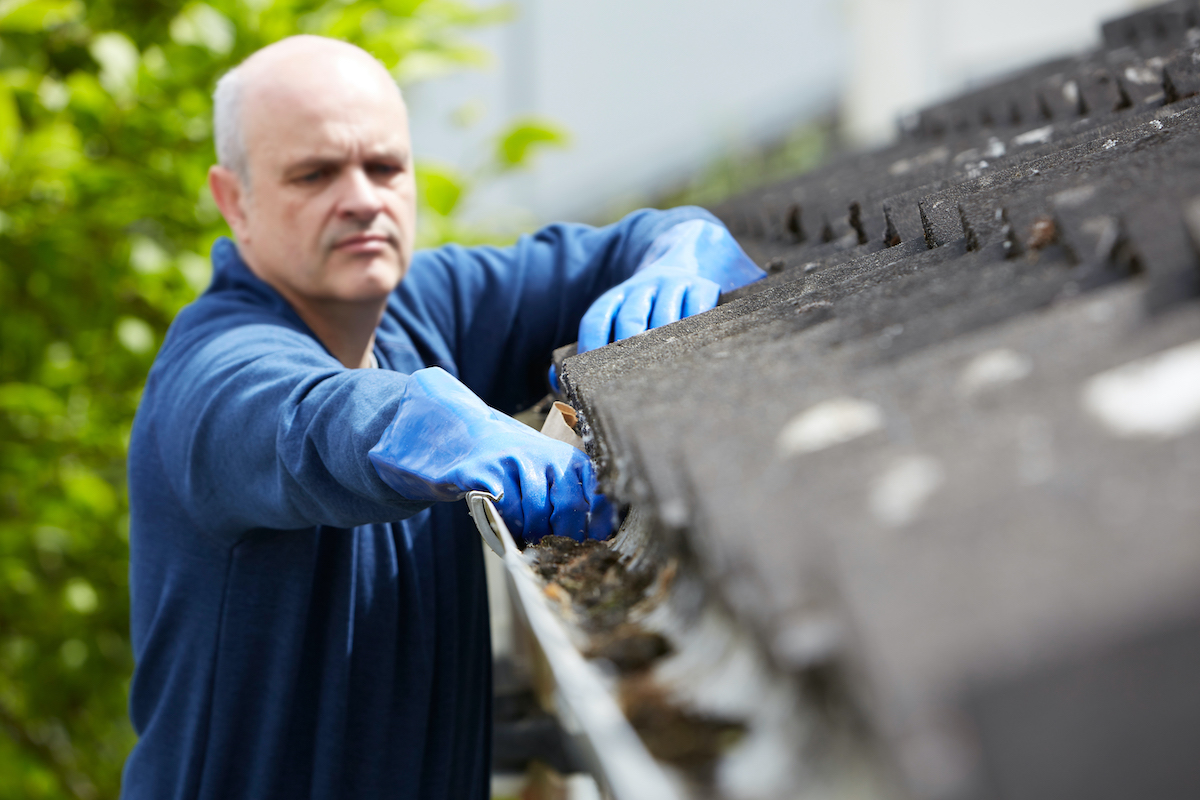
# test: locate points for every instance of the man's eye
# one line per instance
(385, 170)
(315, 176)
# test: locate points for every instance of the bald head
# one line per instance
(290, 71)
(315, 179)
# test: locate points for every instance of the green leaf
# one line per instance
(87, 94)
(203, 26)
(516, 146)
(105, 143)
(492, 15)
(52, 148)
(196, 270)
(147, 256)
(135, 335)
(440, 188)
(80, 596)
(118, 58)
(88, 490)
(28, 16)
(52, 94)
(24, 398)
(423, 66)
(74, 653)
(10, 123)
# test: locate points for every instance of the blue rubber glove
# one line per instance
(445, 442)
(683, 273)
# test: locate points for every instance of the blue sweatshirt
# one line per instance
(300, 629)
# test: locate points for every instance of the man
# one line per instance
(308, 608)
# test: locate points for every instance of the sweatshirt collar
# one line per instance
(231, 274)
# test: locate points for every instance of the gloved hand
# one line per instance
(445, 442)
(656, 295)
(683, 273)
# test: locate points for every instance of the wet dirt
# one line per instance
(591, 577)
(629, 648)
(687, 740)
(601, 589)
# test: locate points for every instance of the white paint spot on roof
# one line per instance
(1157, 397)
(898, 495)
(1106, 232)
(1075, 197)
(937, 155)
(1070, 92)
(966, 155)
(993, 368)
(1140, 75)
(975, 170)
(1035, 136)
(828, 423)
(809, 640)
(995, 148)
(674, 512)
(1110, 144)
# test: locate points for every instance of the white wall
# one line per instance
(908, 53)
(652, 90)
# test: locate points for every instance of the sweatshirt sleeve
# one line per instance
(503, 311)
(258, 427)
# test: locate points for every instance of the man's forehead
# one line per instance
(326, 113)
(326, 94)
(332, 142)
(342, 143)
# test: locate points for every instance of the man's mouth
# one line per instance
(364, 243)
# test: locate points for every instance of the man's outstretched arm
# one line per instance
(504, 310)
(258, 427)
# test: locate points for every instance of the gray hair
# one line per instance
(227, 125)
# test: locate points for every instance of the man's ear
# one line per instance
(227, 190)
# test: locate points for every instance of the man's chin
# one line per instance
(366, 279)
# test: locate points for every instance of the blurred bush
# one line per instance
(105, 227)
(444, 187)
(800, 150)
(739, 168)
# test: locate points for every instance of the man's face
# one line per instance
(330, 212)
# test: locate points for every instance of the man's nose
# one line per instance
(360, 196)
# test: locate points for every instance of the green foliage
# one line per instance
(515, 146)
(443, 188)
(803, 149)
(105, 227)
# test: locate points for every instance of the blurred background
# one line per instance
(658, 97)
(522, 113)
